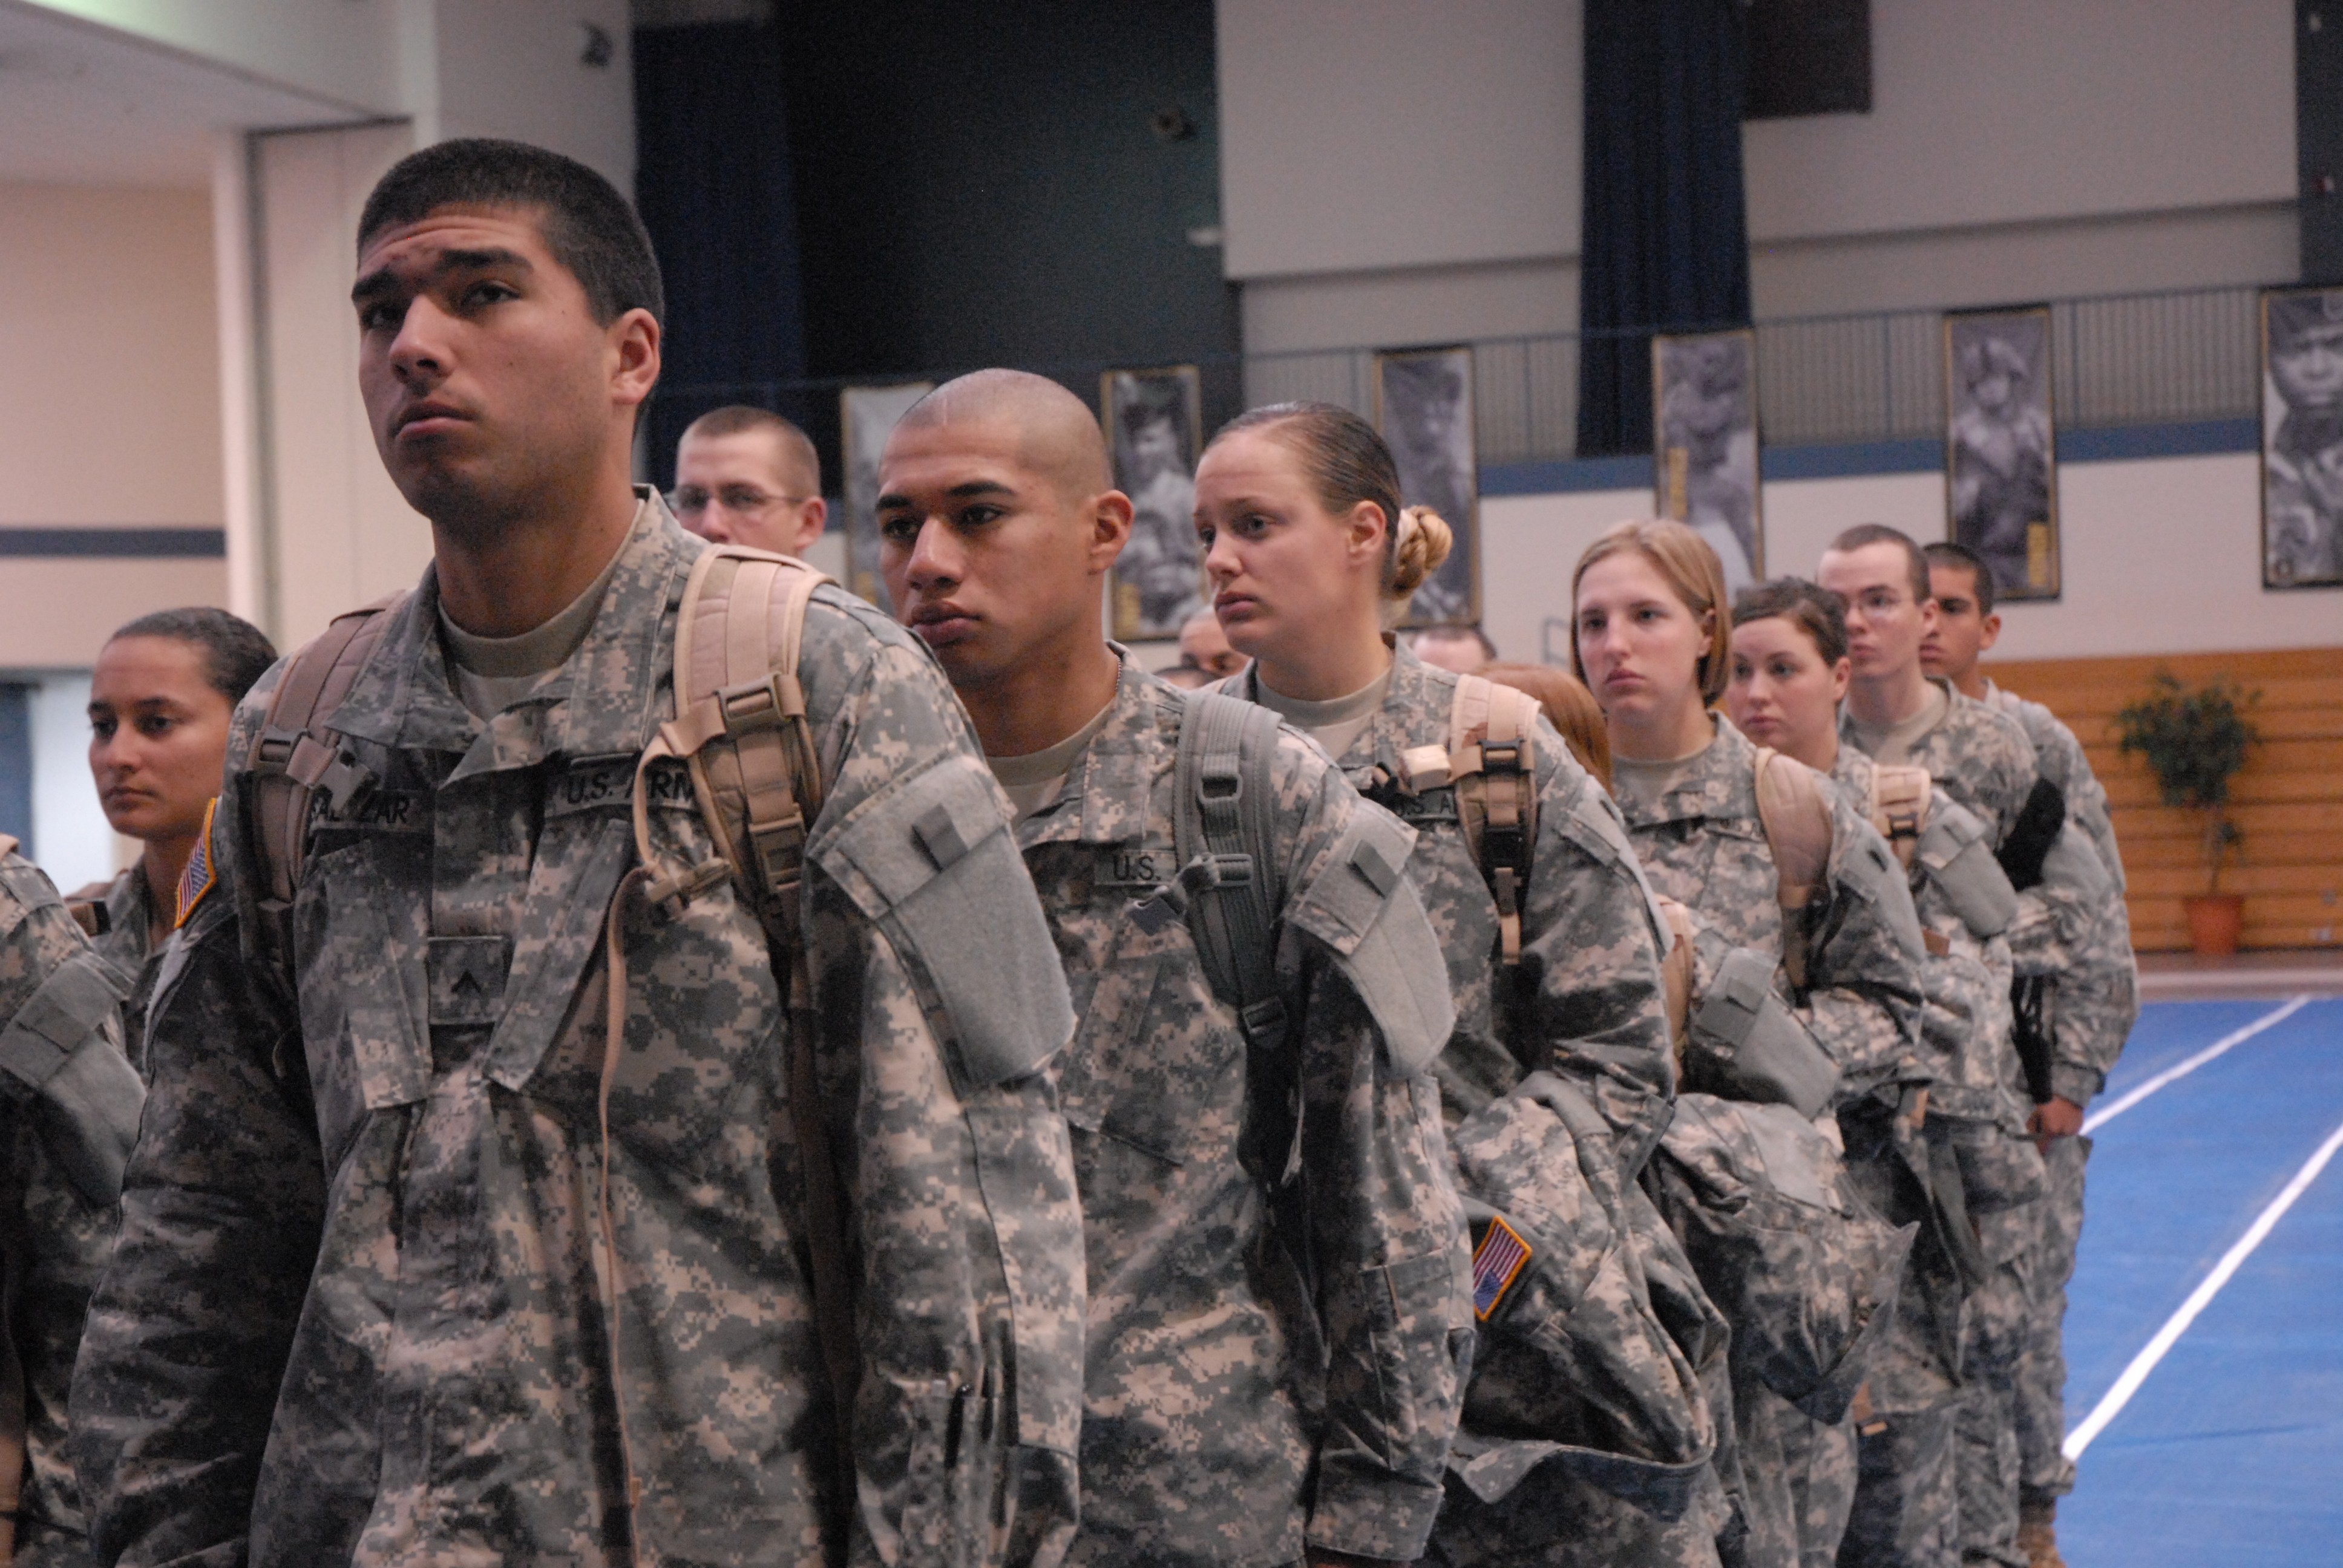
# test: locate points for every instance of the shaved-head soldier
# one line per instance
(746, 476)
(1276, 1255)
(530, 1176)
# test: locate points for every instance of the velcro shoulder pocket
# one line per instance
(1871, 871)
(1960, 863)
(930, 859)
(1363, 906)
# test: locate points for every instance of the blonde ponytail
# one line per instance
(1419, 544)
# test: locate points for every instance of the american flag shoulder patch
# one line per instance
(1497, 1262)
(198, 879)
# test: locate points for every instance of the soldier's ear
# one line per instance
(1111, 514)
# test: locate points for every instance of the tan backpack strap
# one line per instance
(296, 755)
(1899, 809)
(1797, 824)
(740, 727)
(1676, 970)
(1493, 762)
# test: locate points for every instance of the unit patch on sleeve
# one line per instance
(198, 879)
(1497, 1262)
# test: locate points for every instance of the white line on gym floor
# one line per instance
(2269, 1020)
(2110, 1407)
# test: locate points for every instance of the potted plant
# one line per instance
(2195, 742)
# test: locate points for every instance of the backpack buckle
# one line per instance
(1207, 872)
(751, 706)
(1500, 756)
(1263, 1023)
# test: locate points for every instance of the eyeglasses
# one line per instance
(691, 500)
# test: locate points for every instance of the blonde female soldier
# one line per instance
(1937, 1161)
(1807, 998)
(1552, 953)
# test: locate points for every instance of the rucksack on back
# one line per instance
(1491, 761)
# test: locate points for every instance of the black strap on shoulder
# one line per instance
(1221, 830)
(2030, 838)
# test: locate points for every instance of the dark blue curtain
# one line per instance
(16, 764)
(1665, 241)
(712, 182)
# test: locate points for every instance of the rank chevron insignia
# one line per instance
(1497, 1262)
(198, 879)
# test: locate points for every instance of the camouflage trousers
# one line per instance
(2045, 1472)
(40, 1545)
(1985, 1435)
(1906, 1508)
(1799, 1476)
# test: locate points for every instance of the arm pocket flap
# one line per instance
(1364, 906)
(930, 859)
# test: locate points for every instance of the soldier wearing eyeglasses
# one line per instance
(746, 476)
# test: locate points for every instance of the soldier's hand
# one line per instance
(2053, 1119)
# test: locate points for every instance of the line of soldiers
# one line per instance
(660, 1062)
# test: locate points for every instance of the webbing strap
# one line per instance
(1899, 809)
(1492, 761)
(1223, 781)
(1678, 969)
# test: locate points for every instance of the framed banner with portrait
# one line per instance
(1153, 421)
(866, 418)
(2001, 460)
(1424, 409)
(1704, 464)
(2302, 437)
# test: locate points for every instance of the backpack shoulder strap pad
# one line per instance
(1493, 762)
(1796, 821)
(298, 754)
(1223, 789)
(1899, 808)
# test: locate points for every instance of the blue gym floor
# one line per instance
(2230, 1451)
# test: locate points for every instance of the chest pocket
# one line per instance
(1157, 1064)
(360, 933)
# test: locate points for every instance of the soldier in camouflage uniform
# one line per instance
(1981, 760)
(161, 700)
(1259, 1390)
(57, 1215)
(1652, 644)
(1790, 672)
(468, 1222)
(2093, 1004)
(1583, 1007)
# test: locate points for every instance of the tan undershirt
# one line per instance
(492, 673)
(1334, 723)
(1890, 745)
(1037, 779)
(1644, 785)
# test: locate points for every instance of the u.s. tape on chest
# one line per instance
(606, 783)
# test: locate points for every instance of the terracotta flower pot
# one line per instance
(2215, 922)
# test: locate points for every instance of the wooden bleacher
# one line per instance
(2288, 800)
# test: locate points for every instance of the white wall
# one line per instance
(1397, 173)
(2158, 556)
(72, 841)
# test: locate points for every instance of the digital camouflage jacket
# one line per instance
(1704, 845)
(375, 1300)
(1587, 1004)
(2096, 1000)
(52, 1240)
(1982, 759)
(134, 963)
(1229, 1413)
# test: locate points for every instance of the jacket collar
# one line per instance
(1110, 790)
(609, 698)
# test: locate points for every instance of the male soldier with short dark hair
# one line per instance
(1276, 1309)
(745, 476)
(2095, 1002)
(496, 1166)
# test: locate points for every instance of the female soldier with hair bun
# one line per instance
(1550, 935)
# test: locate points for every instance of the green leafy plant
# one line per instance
(2195, 742)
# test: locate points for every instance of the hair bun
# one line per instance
(1423, 542)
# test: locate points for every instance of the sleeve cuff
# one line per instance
(1377, 1515)
(2075, 1082)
